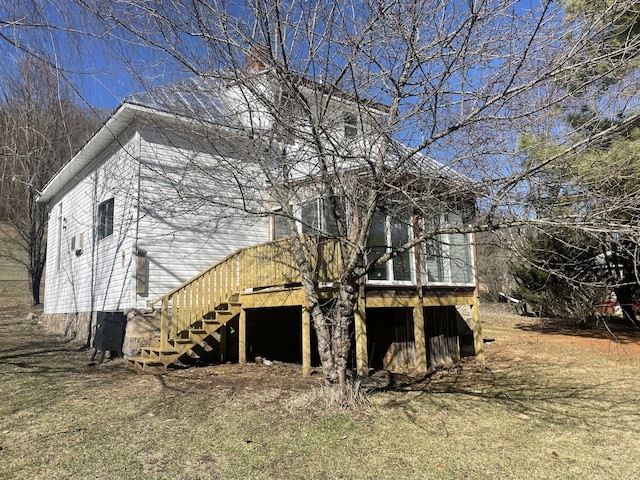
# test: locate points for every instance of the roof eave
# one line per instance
(112, 129)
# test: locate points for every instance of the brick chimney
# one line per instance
(256, 58)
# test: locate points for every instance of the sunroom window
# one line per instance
(279, 227)
(388, 233)
(449, 256)
(316, 216)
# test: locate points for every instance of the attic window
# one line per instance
(105, 219)
(350, 125)
(285, 117)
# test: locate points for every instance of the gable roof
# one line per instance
(194, 97)
(112, 130)
(201, 99)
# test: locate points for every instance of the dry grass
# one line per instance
(549, 404)
(14, 286)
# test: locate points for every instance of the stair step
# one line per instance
(224, 315)
(147, 365)
(193, 345)
(202, 349)
(155, 352)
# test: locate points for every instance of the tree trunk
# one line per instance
(625, 299)
(35, 278)
(332, 327)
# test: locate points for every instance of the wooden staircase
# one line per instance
(196, 344)
(193, 314)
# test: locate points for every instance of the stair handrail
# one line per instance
(265, 265)
(199, 295)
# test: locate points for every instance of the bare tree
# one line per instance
(40, 127)
(360, 97)
(356, 99)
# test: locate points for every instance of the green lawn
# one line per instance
(548, 404)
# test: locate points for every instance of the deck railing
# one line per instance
(249, 269)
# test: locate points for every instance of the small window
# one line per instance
(350, 125)
(280, 228)
(105, 219)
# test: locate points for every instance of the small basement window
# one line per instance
(105, 219)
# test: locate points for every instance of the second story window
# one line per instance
(105, 219)
(350, 125)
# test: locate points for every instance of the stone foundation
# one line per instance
(142, 329)
(465, 330)
(79, 326)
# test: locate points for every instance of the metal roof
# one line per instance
(195, 97)
(203, 99)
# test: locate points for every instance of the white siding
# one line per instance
(97, 277)
(185, 219)
(189, 215)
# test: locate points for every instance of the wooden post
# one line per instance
(223, 343)
(176, 316)
(360, 321)
(419, 338)
(306, 341)
(242, 336)
(478, 342)
(164, 324)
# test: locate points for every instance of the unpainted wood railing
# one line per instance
(250, 269)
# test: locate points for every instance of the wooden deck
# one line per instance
(266, 276)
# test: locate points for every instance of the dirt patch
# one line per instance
(248, 376)
(538, 338)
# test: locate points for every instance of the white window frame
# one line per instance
(105, 222)
(389, 265)
(446, 241)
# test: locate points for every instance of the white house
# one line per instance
(151, 200)
(117, 235)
